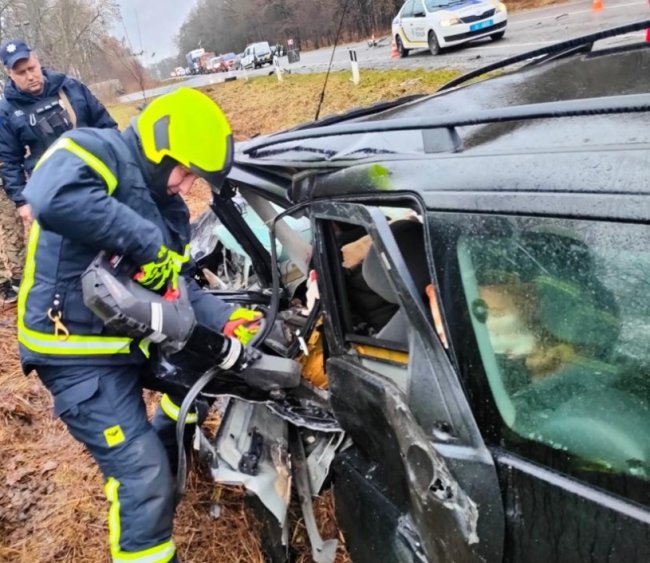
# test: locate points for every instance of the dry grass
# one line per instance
(263, 105)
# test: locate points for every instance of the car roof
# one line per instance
(599, 145)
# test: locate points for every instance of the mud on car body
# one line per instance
(476, 367)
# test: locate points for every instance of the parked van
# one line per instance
(257, 55)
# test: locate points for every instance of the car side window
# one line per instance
(369, 296)
(561, 317)
(407, 9)
(374, 323)
(418, 9)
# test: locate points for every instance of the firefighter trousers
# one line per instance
(104, 409)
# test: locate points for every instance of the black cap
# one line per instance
(13, 51)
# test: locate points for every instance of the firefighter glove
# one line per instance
(243, 324)
(163, 272)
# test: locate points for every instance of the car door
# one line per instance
(417, 483)
(406, 21)
(419, 21)
(247, 59)
(550, 321)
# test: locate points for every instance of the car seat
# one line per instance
(409, 236)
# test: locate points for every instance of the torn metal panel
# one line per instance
(321, 457)
(252, 450)
(408, 534)
(323, 551)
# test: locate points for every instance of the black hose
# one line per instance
(192, 394)
(195, 390)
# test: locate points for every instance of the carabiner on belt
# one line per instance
(60, 330)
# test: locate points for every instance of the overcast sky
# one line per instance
(159, 21)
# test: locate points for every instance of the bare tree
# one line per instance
(72, 36)
(228, 25)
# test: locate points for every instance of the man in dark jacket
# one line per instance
(119, 192)
(38, 106)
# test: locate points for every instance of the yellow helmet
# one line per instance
(190, 128)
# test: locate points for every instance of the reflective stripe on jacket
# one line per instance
(88, 194)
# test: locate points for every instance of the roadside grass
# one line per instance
(262, 105)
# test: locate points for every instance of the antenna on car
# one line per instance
(329, 68)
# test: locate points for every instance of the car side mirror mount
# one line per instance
(419, 15)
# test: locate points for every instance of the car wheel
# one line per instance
(497, 36)
(434, 46)
(400, 47)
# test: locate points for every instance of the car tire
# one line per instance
(434, 46)
(498, 36)
(400, 47)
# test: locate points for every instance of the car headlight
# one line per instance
(449, 22)
(500, 6)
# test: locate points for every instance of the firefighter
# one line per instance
(99, 189)
(38, 106)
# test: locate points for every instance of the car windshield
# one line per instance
(435, 4)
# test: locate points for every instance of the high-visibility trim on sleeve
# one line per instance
(172, 410)
(162, 553)
(86, 156)
(49, 343)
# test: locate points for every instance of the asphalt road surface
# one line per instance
(527, 30)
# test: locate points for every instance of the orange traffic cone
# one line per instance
(394, 53)
(597, 6)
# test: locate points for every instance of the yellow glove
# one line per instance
(243, 324)
(163, 272)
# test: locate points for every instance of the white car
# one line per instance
(257, 55)
(436, 24)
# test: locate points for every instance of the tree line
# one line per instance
(223, 26)
(73, 36)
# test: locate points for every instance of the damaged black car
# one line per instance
(464, 278)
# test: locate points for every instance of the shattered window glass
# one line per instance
(561, 315)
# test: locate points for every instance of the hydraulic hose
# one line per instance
(192, 394)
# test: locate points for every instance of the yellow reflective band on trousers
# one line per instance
(49, 343)
(172, 410)
(87, 157)
(161, 553)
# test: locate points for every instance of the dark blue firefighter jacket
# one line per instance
(29, 124)
(94, 191)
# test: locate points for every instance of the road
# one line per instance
(527, 30)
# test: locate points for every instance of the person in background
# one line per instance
(39, 105)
